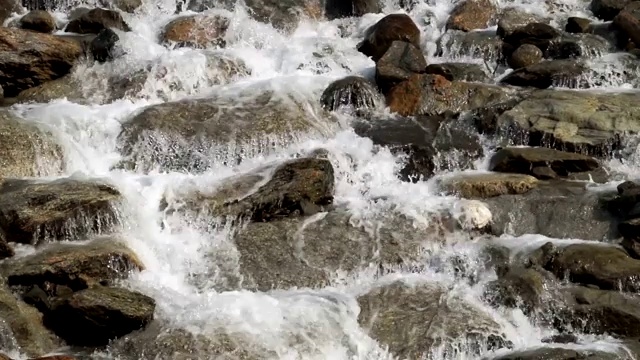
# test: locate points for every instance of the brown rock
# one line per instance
(628, 21)
(394, 27)
(546, 73)
(197, 31)
(577, 25)
(488, 185)
(398, 64)
(524, 56)
(472, 15)
(522, 160)
(93, 21)
(28, 59)
(38, 20)
(512, 18)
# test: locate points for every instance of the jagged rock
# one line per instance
(488, 185)
(33, 212)
(336, 9)
(28, 59)
(512, 18)
(95, 316)
(38, 20)
(546, 73)
(628, 21)
(198, 31)
(412, 319)
(75, 266)
(577, 25)
(379, 37)
(353, 92)
(26, 150)
(471, 15)
(525, 55)
(103, 44)
(398, 64)
(458, 72)
(95, 20)
(607, 9)
(530, 161)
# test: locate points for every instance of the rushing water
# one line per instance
(176, 249)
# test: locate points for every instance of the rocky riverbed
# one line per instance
(319, 179)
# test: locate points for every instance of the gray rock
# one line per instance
(353, 92)
(525, 55)
(512, 18)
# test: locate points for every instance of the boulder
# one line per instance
(459, 71)
(577, 25)
(192, 135)
(379, 37)
(557, 353)
(75, 266)
(543, 163)
(28, 59)
(95, 20)
(525, 55)
(95, 316)
(102, 47)
(8, 7)
(198, 31)
(547, 73)
(471, 15)
(512, 18)
(354, 92)
(487, 185)
(574, 121)
(23, 327)
(413, 319)
(38, 20)
(628, 21)
(336, 9)
(26, 150)
(401, 60)
(608, 9)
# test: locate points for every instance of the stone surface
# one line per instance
(198, 31)
(28, 59)
(102, 47)
(525, 288)
(529, 161)
(336, 9)
(577, 25)
(628, 21)
(95, 20)
(459, 71)
(8, 7)
(379, 37)
(398, 64)
(488, 185)
(353, 92)
(471, 15)
(551, 353)
(38, 20)
(512, 18)
(546, 73)
(607, 9)
(525, 55)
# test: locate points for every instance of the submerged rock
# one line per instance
(395, 27)
(478, 44)
(488, 185)
(542, 163)
(471, 15)
(38, 20)
(353, 92)
(196, 31)
(95, 20)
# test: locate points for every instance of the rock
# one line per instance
(488, 185)
(433, 94)
(353, 92)
(519, 287)
(198, 31)
(398, 64)
(628, 21)
(192, 135)
(528, 161)
(471, 15)
(26, 150)
(124, 5)
(8, 7)
(525, 55)
(95, 20)
(608, 9)
(95, 316)
(75, 266)
(102, 46)
(546, 74)
(611, 33)
(33, 212)
(64, 87)
(28, 59)
(38, 20)
(577, 25)
(25, 325)
(551, 353)
(379, 37)
(564, 49)
(574, 121)
(512, 18)
(293, 187)
(538, 34)
(412, 319)
(562, 210)
(477, 44)
(458, 72)
(336, 9)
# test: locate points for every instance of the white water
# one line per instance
(183, 248)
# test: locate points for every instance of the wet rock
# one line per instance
(33, 212)
(478, 44)
(102, 47)
(379, 37)
(458, 71)
(561, 339)
(38, 20)
(550, 353)
(529, 161)
(75, 266)
(28, 59)
(412, 319)
(124, 5)
(26, 150)
(488, 185)
(336, 9)
(546, 74)
(519, 287)
(25, 323)
(577, 25)
(538, 34)
(611, 33)
(95, 20)
(292, 187)
(512, 18)
(5, 250)
(94, 316)
(564, 49)
(401, 60)
(198, 31)
(8, 7)
(66, 86)
(525, 55)
(192, 135)
(628, 21)
(353, 92)
(573, 121)
(471, 15)
(563, 210)
(607, 9)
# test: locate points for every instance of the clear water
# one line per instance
(177, 248)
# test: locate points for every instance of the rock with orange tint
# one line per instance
(197, 31)
(472, 15)
(394, 27)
